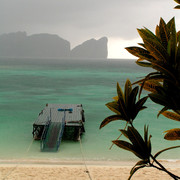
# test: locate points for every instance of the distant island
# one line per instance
(45, 45)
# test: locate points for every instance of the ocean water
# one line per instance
(26, 85)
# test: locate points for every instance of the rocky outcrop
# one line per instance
(49, 46)
(91, 49)
(46, 45)
(38, 45)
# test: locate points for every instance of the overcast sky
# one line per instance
(80, 20)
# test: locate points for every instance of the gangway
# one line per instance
(53, 133)
(52, 138)
(57, 121)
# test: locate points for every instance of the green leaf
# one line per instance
(132, 100)
(138, 143)
(125, 133)
(116, 98)
(146, 33)
(135, 137)
(113, 106)
(147, 139)
(163, 69)
(134, 170)
(178, 1)
(142, 45)
(110, 119)
(164, 33)
(132, 97)
(143, 64)
(159, 99)
(140, 103)
(177, 7)
(162, 111)
(157, 32)
(178, 50)
(121, 103)
(142, 108)
(172, 44)
(151, 84)
(145, 134)
(150, 76)
(124, 145)
(156, 76)
(120, 92)
(156, 49)
(166, 149)
(140, 164)
(127, 146)
(123, 109)
(127, 91)
(171, 115)
(149, 144)
(169, 24)
(172, 134)
(140, 53)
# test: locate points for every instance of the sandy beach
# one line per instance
(37, 170)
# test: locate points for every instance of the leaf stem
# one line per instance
(162, 168)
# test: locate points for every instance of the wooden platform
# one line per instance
(69, 116)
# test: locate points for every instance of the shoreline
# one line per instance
(78, 170)
(169, 162)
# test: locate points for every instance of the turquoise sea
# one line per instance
(26, 85)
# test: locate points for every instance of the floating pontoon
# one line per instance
(57, 121)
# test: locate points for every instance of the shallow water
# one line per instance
(28, 84)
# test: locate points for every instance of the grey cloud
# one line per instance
(78, 20)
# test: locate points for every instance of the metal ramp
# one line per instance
(53, 131)
(52, 136)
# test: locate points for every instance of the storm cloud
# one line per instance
(79, 20)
